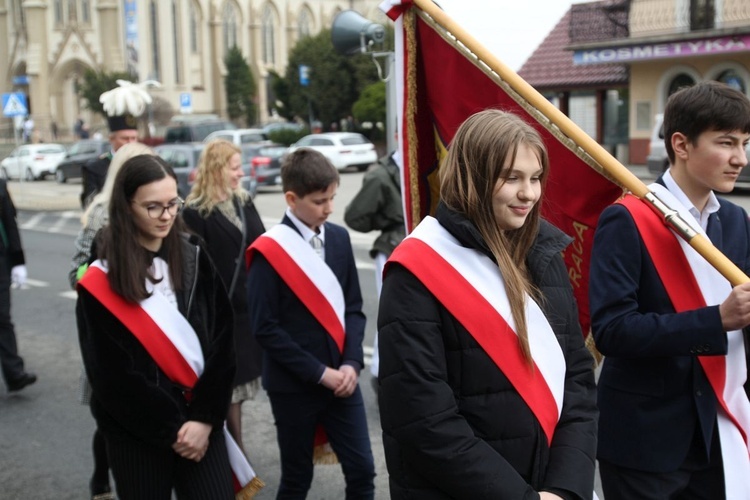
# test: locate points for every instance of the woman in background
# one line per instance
(222, 213)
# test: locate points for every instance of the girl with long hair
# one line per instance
(486, 387)
(154, 326)
(94, 218)
(222, 213)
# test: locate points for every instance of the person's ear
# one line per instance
(680, 144)
(291, 198)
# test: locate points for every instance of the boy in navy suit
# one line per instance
(306, 312)
(674, 416)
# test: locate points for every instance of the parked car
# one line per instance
(266, 162)
(658, 160)
(194, 130)
(344, 149)
(183, 158)
(32, 161)
(274, 126)
(239, 136)
(77, 156)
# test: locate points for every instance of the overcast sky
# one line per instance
(510, 29)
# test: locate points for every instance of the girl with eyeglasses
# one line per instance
(222, 213)
(155, 328)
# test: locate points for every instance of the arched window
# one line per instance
(85, 11)
(679, 81)
(72, 11)
(154, 18)
(269, 46)
(733, 79)
(304, 25)
(194, 26)
(176, 42)
(230, 26)
(58, 12)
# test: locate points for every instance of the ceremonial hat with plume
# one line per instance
(125, 103)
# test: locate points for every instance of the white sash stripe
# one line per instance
(715, 289)
(485, 277)
(312, 265)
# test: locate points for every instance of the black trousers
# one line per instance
(297, 416)
(696, 479)
(144, 472)
(12, 364)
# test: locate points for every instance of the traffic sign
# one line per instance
(14, 104)
(186, 102)
(304, 75)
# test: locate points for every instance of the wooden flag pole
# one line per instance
(619, 173)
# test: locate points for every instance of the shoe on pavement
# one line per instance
(21, 382)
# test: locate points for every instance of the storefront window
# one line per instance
(732, 79)
(679, 81)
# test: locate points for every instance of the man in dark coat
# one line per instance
(123, 128)
(12, 271)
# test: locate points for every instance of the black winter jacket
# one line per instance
(453, 425)
(132, 397)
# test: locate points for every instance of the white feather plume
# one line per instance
(131, 98)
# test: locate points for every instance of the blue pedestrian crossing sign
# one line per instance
(186, 102)
(14, 104)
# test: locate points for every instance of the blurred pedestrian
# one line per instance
(222, 213)
(12, 273)
(94, 218)
(377, 207)
(486, 387)
(123, 128)
(28, 129)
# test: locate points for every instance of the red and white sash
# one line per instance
(469, 285)
(171, 341)
(311, 280)
(691, 283)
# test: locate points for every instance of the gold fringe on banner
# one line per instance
(591, 346)
(250, 490)
(323, 454)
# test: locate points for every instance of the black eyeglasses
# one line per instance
(172, 208)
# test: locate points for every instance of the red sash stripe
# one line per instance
(679, 281)
(484, 324)
(309, 294)
(142, 326)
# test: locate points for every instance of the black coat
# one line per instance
(10, 246)
(453, 425)
(132, 397)
(223, 241)
(93, 175)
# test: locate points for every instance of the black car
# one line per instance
(266, 160)
(183, 158)
(78, 155)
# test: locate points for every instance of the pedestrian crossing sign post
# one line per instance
(14, 104)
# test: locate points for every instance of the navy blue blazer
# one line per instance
(296, 348)
(652, 391)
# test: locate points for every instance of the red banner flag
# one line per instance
(440, 84)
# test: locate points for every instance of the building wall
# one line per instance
(52, 43)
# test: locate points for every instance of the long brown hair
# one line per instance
(118, 245)
(482, 146)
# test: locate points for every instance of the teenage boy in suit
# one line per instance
(673, 409)
(305, 309)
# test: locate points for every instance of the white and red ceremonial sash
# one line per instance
(692, 283)
(469, 285)
(171, 341)
(307, 275)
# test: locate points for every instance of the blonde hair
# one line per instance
(480, 149)
(126, 152)
(212, 182)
